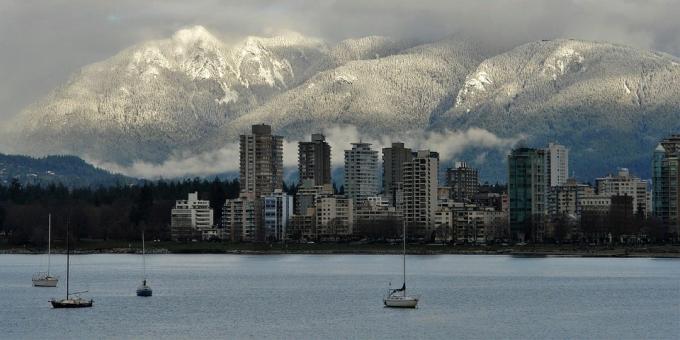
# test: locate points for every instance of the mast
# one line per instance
(68, 251)
(49, 242)
(143, 256)
(404, 253)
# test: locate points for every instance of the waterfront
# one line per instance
(339, 296)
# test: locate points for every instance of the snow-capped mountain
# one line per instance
(609, 103)
(193, 93)
(380, 96)
(165, 96)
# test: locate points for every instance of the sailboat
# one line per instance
(144, 289)
(397, 297)
(44, 279)
(70, 302)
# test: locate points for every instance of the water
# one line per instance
(340, 296)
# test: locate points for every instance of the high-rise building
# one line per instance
(190, 218)
(420, 183)
(557, 164)
(463, 181)
(527, 191)
(314, 160)
(361, 172)
(261, 161)
(666, 183)
(277, 209)
(393, 160)
(240, 218)
(624, 184)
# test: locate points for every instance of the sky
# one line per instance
(43, 42)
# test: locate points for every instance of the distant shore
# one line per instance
(529, 250)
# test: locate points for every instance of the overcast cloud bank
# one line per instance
(449, 144)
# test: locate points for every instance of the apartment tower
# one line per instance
(314, 161)
(261, 161)
(463, 181)
(420, 185)
(666, 183)
(393, 160)
(361, 172)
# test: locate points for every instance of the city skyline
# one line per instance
(538, 203)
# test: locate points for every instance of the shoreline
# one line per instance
(529, 251)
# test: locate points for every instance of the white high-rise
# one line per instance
(361, 172)
(557, 164)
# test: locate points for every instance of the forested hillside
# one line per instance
(70, 171)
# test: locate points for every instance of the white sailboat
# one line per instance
(397, 297)
(44, 279)
(144, 289)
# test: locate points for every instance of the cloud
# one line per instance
(449, 144)
(214, 162)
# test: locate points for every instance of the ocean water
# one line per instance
(340, 296)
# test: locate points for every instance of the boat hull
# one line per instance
(71, 303)
(45, 282)
(144, 291)
(401, 302)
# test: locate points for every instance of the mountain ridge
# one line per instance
(193, 93)
(71, 171)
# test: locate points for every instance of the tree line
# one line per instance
(118, 212)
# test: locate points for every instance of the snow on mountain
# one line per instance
(163, 97)
(192, 93)
(587, 95)
(379, 95)
(371, 47)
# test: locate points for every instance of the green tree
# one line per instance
(142, 206)
(217, 198)
(3, 213)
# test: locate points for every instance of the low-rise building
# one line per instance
(277, 209)
(240, 218)
(625, 184)
(307, 195)
(564, 200)
(303, 227)
(474, 224)
(190, 218)
(443, 224)
(334, 217)
(377, 218)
